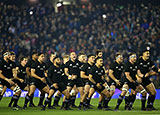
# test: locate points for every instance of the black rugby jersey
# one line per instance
(21, 72)
(74, 67)
(40, 68)
(97, 74)
(132, 69)
(55, 74)
(144, 66)
(117, 69)
(86, 68)
(7, 67)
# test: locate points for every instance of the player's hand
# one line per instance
(146, 75)
(139, 80)
(21, 80)
(117, 82)
(9, 81)
(43, 79)
(55, 86)
(98, 85)
(74, 76)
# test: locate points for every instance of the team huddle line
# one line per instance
(83, 74)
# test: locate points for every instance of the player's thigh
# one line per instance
(32, 89)
(86, 88)
(151, 89)
(46, 89)
(112, 90)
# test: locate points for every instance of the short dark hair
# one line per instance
(12, 53)
(81, 53)
(33, 53)
(53, 53)
(98, 51)
(22, 58)
(90, 55)
(117, 54)
(55, 58)
(131, 53)
(40, 53)
(98, 59)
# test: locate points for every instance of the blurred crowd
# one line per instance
(79, 28)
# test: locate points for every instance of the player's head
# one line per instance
(23, 61)
(52, 56)
(99, 61)
(91, 58)
(119, 57)
(56, 61)
(132, 57)
(41, 57)
(73, 56)
(65, 59)
(146, 54)
(81, 57)
(34, 55)
(6, 55)
(12, 56)
(99, 53)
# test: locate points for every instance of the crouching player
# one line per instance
(55, 73)
(96, 76)
(7, 74)
(131, 71)
(39, 74)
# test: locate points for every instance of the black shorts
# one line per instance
(30, 80)
(21, 85)
(78, 82)
(38, 83)
(112, 82)
(132, 85)
(97, 89)
(61, 87)
(145, 81)
(86, 82)
(5, 83)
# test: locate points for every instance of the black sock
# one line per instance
(149, 100)
(12, 100)
(42, 96)
(88, 100)
(16, 101)
(31, 100)
(49, 104)
(143, 101)
(100, 104)
(133, 98)
(56, 100)
(1, 97)
(66, 103)
(120, 99)
(73, 98)
(152, 98)
(106, 101)
(27, 99)
(80, 104)
(127, 99)
(47, 101)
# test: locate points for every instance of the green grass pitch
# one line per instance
(4, 110)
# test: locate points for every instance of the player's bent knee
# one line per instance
(153, 92)
(17, 89)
